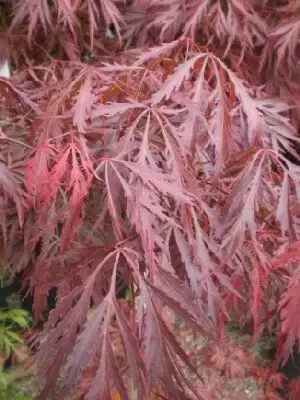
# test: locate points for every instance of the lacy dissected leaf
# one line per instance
(290, 254)
(285, 39)
(71, 314)
(83, 104)
(226, 20)
(289, 304)
(12, 189)
(239, 212)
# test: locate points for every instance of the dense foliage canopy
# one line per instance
(151, 144)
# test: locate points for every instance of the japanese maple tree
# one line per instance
(151, 145)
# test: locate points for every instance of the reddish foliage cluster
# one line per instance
(151, 152)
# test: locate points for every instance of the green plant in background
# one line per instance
(10, 392)
(10, 322)
(4, 274)
(3, 382)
